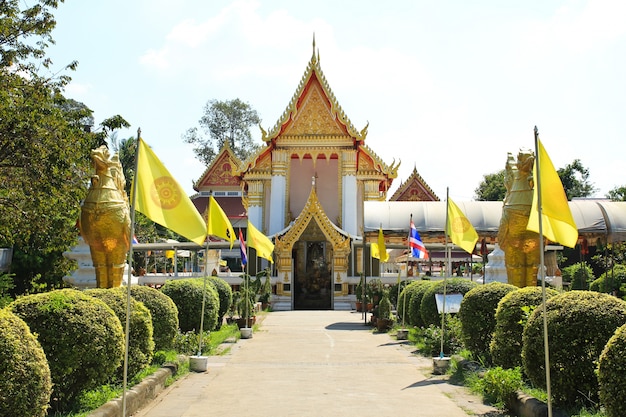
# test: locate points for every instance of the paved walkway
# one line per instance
(316, 363)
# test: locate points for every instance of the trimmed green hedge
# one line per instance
(187, 295)
(611, 281)
(25, 384)
(611, 371)
(511, 316)
(478, 316)
(164, 315)
(82, 338)
(140, 343)
(428, 307)
(225, 295)
(580, 275)
(415, 293)
(580, 323)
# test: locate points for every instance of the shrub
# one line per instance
(428, 339)
(140, 343)
(478, 316)
(499, 386)
(611, 281)
(580, 323)
(164, 315)
(225, 295)
(82, 338)
(404, 302)
(415, 303)
(611, 371)
(511, 316)
(579, 275)
(187, 295)
(428, 307)
(25, 385)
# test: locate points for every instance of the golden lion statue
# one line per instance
(105, 219)
(520, 246)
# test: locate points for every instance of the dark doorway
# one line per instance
(313, 276)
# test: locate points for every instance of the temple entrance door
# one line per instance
(313, 276)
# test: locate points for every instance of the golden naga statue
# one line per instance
(105, 219)
(520, 246)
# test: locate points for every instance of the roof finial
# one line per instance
(313, 43)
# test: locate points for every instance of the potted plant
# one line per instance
(384, 320)
(247, 297)
(359, 294)
(265, 292)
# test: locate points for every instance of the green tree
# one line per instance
(617, 194)
(575, 179)
(224, 122)
(491, 188)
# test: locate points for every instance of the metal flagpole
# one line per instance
(129, 276)
(206, 272)
(542, 274)
(445, 276)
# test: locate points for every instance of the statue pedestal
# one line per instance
(85, 276)
(495, 270)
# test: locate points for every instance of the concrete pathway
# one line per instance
(316, 363)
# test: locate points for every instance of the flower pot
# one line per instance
(441, 365)
(198, 363)
(241, 322)
(246, 332)
(359, 306)
(402, 334)
(382, 325)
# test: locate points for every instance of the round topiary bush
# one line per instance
(611, 281)
(164, 315)
(478, 316)
(611, 375)
(140, 343)
(579, 275)
(511, 316)
(25, 384)
(580, 323)
(187, 295)
(428, 307)
(414, 301)
(225, 295)
(82, 338)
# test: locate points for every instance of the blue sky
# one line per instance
(448, 87)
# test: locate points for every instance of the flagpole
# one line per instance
(542, 274)
(443, 310)
(129, 276)
(206, 272)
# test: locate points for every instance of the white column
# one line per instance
(255, 203)
(349, 194)
(278, 192)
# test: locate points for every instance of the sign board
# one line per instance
(453, 302)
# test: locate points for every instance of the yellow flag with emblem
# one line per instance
(383, 256)
(257, 240)
(218, 223)
(162, 200)
(459, 228)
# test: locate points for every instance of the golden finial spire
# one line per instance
(313, 43)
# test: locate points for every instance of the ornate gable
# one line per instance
(219, 175)
(312, 211)
(414, 189)
(323, 114)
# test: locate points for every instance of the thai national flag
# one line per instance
(242, 248)
(135, 241)
(418, 250)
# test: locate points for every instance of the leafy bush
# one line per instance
(428, 307)
(25, 384)
(499, 386)
(164, 315)
(511, 316)
(580, 323)
(225, 295)
(611, 281)
(611, 371)
(478, 316)
(187, 295)
(579, 275)
(188, 343)
(140, 343)
(410, 301)
(82, 338)
(428, 339)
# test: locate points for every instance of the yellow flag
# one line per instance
(557, 222)
(257, 240)
(382, 249)
(161, 198)
(218, 223)
(374, 250)
(460, 230)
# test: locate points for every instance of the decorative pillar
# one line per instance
(278, 191)
(255, 203)
(349, 189)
